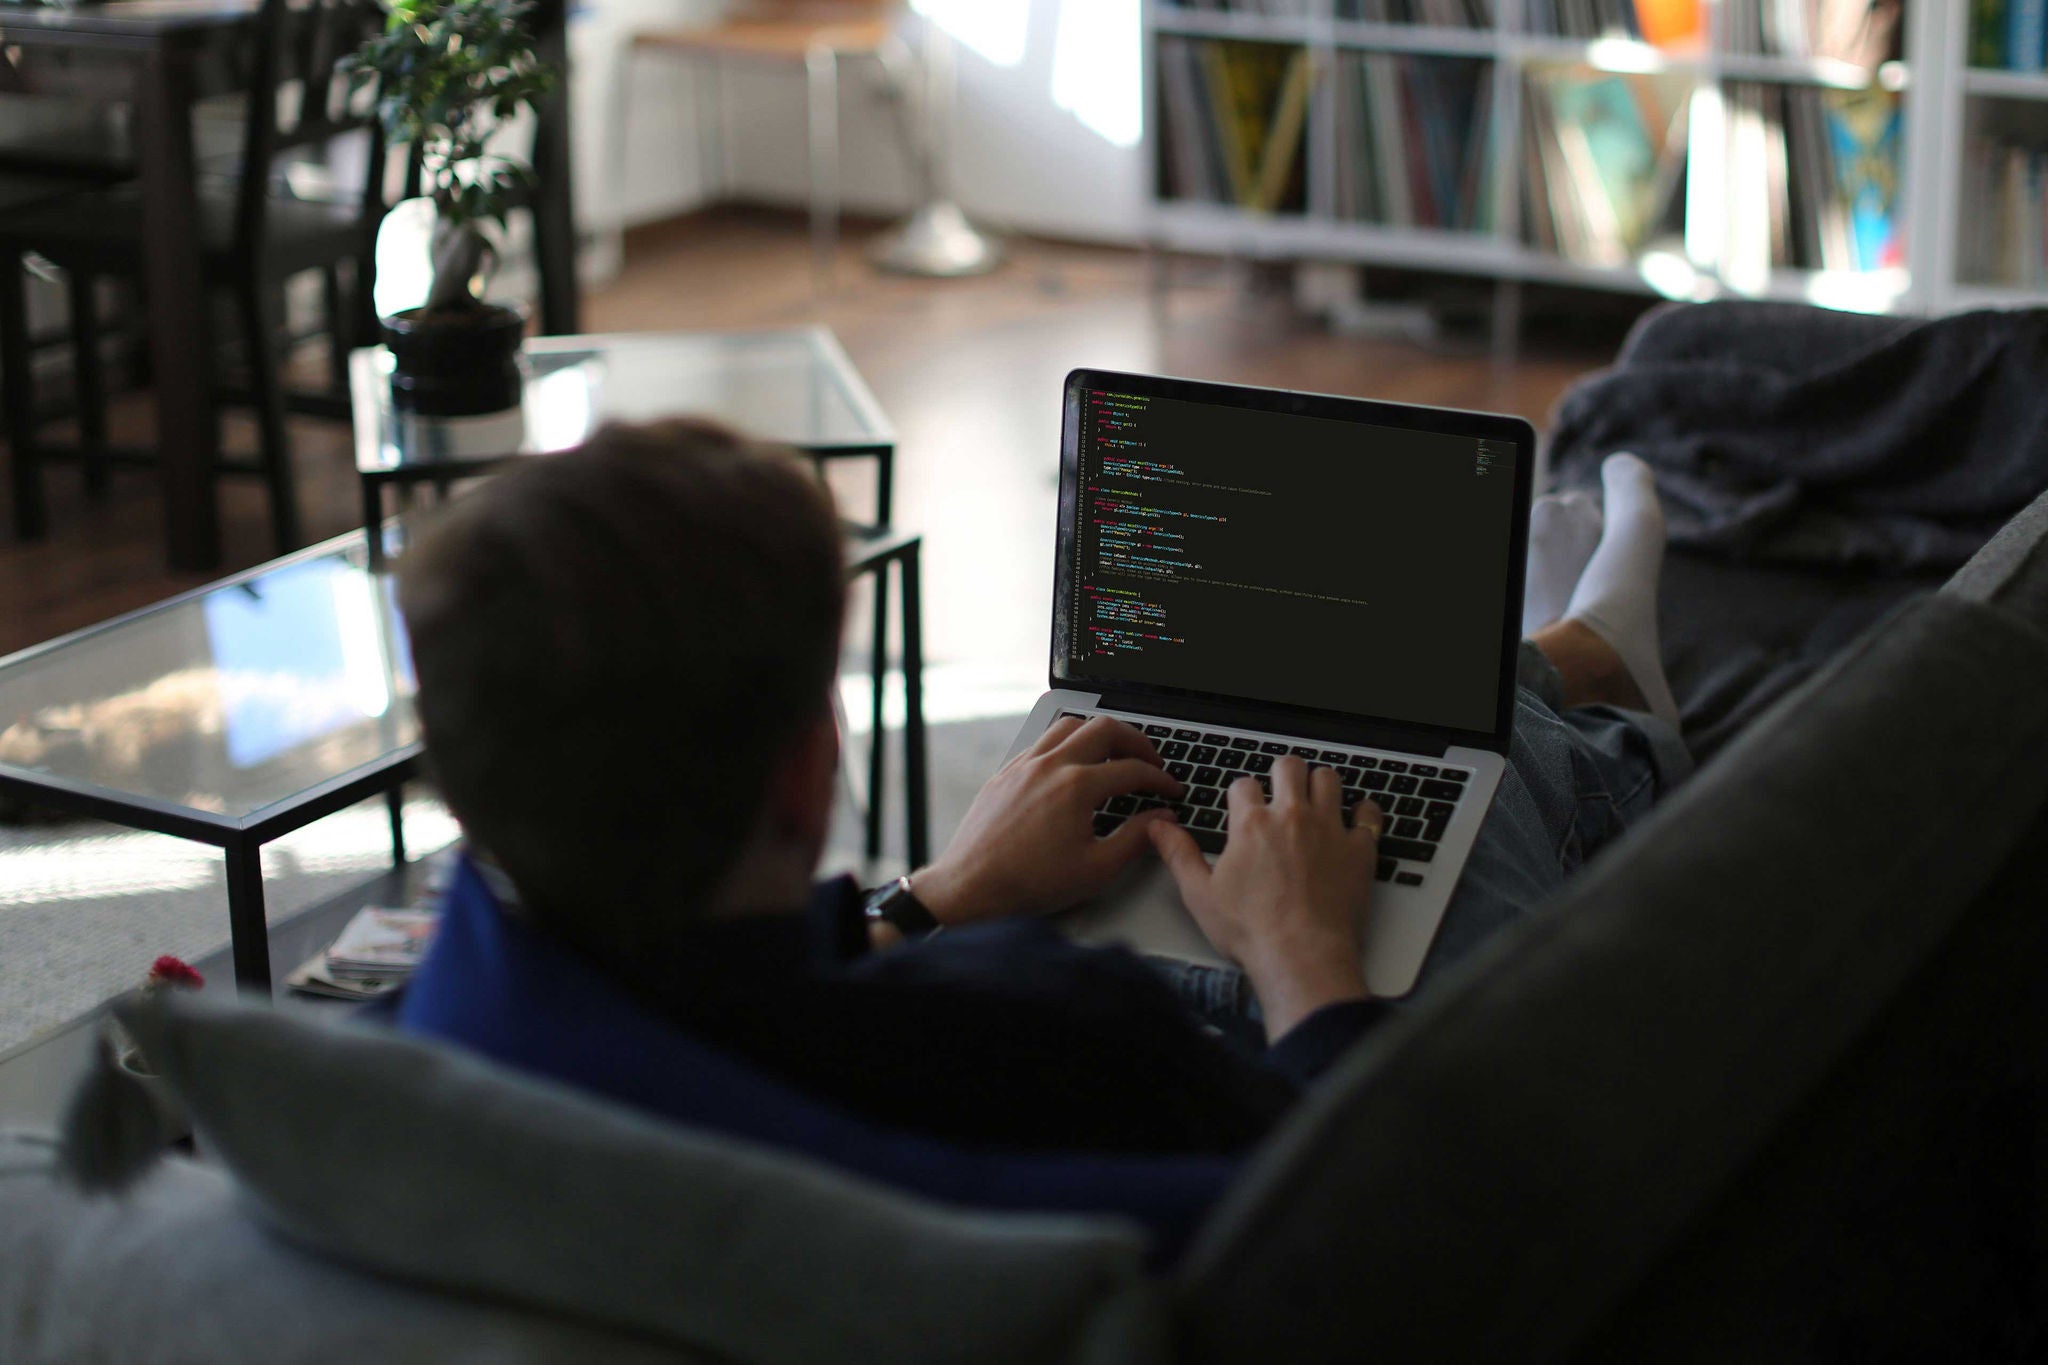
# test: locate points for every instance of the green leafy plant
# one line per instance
(451, 74)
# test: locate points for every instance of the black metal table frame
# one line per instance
(242, 838)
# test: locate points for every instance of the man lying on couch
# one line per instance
(625, 657)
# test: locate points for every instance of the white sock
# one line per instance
(1617, 595)
(1563, 529)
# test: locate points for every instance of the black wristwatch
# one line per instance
(894, 904)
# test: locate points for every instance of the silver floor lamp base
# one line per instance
(938, 241)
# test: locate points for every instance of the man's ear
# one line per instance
(801, 792)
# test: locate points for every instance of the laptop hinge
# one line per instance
(1363, 733)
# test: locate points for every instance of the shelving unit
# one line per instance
(1935, 87)
(1985, 101)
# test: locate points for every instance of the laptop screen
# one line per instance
(1325, 554)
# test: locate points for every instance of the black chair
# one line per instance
(73, 138)
(252, 240)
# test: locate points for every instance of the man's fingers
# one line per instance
(1243, 796)
(1182, 856)
(1290, 780)
(1130, 838)
(1325, 788)
(1125, 775)
(1368, 819)
(1104, 738)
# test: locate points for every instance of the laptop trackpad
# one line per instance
(1141, 909)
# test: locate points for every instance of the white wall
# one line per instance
(1020, 161)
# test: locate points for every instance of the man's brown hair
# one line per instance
(614, 647)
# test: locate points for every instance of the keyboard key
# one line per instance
(1438, 810)
(1173, 748)
(1072, 715)
(1265, 782)
(1187, 734)
(1146, 803)
(1303, 751)
(1422, 769)
(1106, 825)
(1352, 796)
(1455, 774)
(1407, 827)
(1408, 878)
(1159, 731)
(1230, 758)
(1433, 830)
(1248, 745)
(1180, 772)
(1208, 777)
(1350, 776)
(1258, 763)
(1122, 805)
(1442, 791)
(1364, 761)
(1204, 796)
(1373, 782)
(1184, 813)
(1220, 741)
(1403, 785)
(1414, 852)
(1331, 756)
(1393, 765)
(1273, 748)
(1410, 805)
(1208, 819)
(1386, 871)
(1210, 840)
(1202, 753)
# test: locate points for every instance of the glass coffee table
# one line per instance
(793, 385)
(231, 715)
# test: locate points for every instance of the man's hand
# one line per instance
(1028, 844)
(1287, 899)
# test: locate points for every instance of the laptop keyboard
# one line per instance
(1418, 799)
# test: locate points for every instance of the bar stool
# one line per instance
(814, 34)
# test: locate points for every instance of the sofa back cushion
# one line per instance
(174, 1270)
(432, 1167)
(1488, 1177)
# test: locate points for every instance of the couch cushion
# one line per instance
(1485, 1178)
(438, 1168)
(175, 1271)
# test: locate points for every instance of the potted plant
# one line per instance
(451, 74)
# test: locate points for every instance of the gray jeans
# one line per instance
(1575, 780)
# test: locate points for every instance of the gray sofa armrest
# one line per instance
(175, 1270)
(1491, 1175)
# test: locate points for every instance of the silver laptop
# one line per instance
(1245, 573)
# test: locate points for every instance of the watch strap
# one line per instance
(899, 907)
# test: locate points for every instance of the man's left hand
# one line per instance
(1028, 844)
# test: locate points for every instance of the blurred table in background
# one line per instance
(161, 57)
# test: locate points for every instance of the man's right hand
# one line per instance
(1028, 845)
(1287, 899)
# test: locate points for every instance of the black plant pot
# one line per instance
(452, 363)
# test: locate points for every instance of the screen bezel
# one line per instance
(1406, 416)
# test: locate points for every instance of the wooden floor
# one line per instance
(969, 371)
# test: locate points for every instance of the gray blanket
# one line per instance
(1789, 435)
